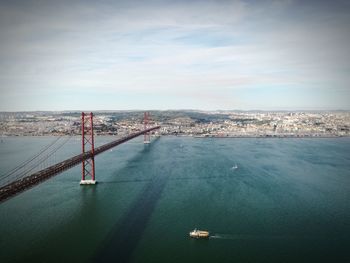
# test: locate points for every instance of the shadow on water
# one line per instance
(124, 236)
(189, 178)
(126, 233)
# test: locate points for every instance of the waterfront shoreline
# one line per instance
(194, 136)
(184, 123)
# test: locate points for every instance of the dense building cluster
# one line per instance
(183, 123)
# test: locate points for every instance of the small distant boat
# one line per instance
(199, 234)
(234, 167)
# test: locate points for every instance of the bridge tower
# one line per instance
(147, 135)
(88, 148)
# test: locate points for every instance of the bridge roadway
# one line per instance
(27, 182)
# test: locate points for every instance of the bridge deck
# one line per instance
(27, 182)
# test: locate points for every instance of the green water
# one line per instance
(288, 201)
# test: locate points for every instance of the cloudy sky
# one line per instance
(110, 55)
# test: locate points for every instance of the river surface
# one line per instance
(288, 200)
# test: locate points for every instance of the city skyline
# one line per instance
(159, 55)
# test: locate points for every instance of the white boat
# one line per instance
(199, 234)
(234, 167)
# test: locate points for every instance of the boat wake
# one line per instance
(223, 236)
(256, 237)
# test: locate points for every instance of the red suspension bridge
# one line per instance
(86, 158)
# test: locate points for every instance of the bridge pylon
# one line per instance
(147, 135)
(88, 149)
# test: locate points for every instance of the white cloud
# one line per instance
(171, 49)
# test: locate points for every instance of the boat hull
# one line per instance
(199, 234)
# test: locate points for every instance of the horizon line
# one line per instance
(196, 110)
